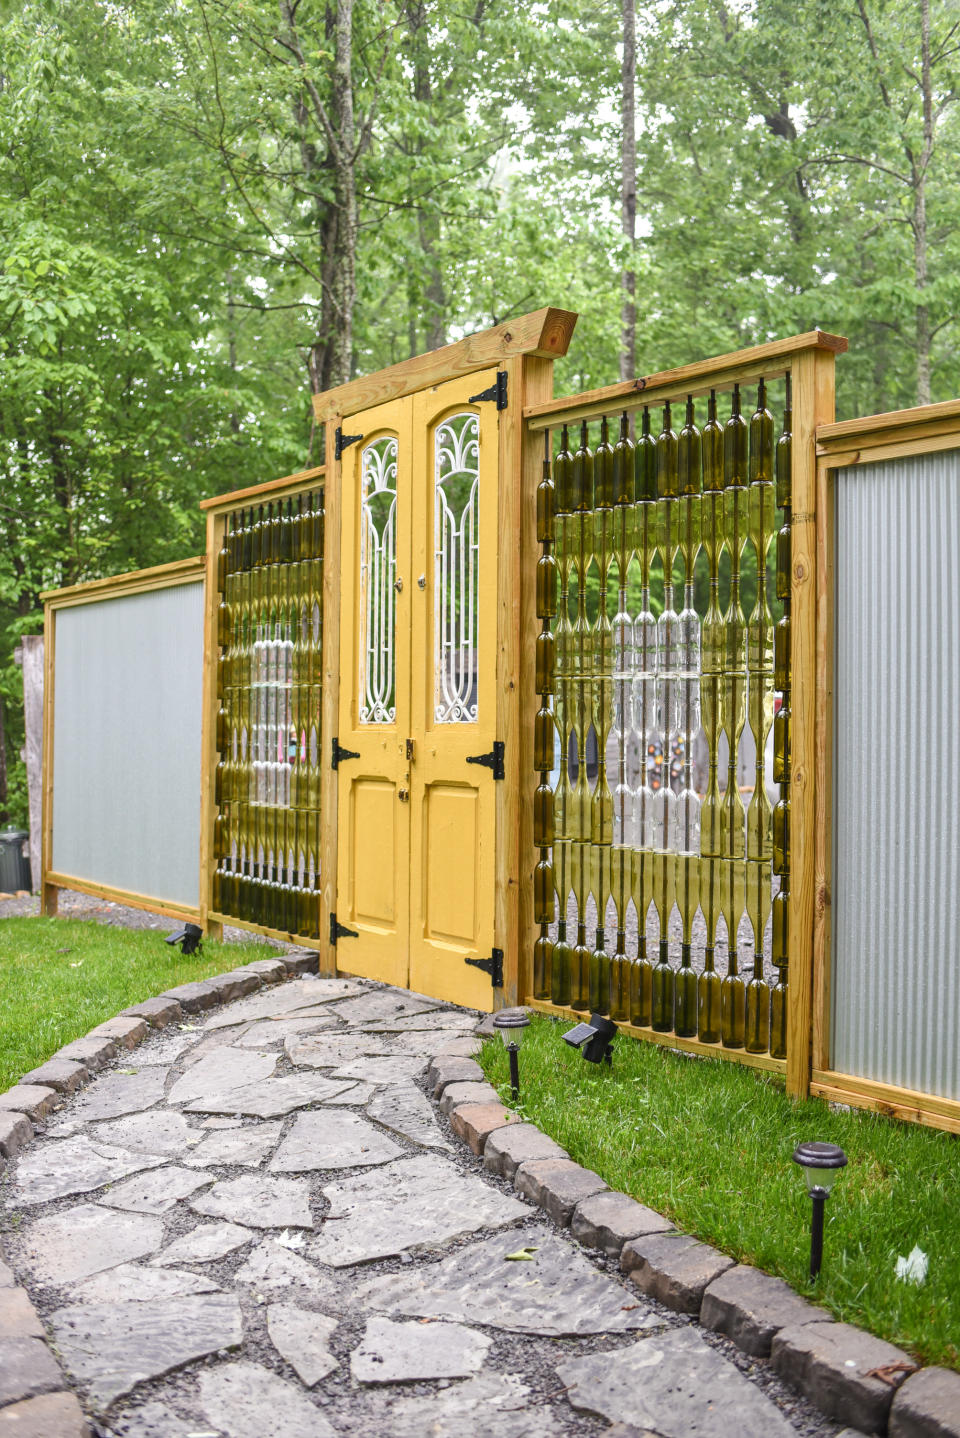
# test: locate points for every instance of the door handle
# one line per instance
(398, 584)
(411, 749)
(403, 795)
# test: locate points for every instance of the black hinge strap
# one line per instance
(341, 441)
(493, 760)
(337, 754)
(497, 391)
(340, 931)
(492, 966)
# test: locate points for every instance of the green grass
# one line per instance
(60, 977)
(709, 1144)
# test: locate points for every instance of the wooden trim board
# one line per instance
(127, 897)
(823, 772)
(280, 934)
(207, 859)
(902, 1103)
(888, 426)
(303, 479)
(330, 698)
(670, 1041)
(48, 890)
(721, 372)
(161, 576)
(545, 333)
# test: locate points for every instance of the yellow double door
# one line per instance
(417, 710)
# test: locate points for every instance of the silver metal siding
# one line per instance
(896, 769)
(126, 746)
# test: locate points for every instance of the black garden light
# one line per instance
(821, 1162)
(595, 1039)
(510, 1025)
(189, 938)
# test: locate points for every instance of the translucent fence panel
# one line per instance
(895, 995)
(126, 742)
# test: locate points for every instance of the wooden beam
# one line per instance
(292, 482)
(671, 1041)
(813, 405)
(48, 889)
(900, 1103)
(913, 442)
(893, 423)
(545, 333)
(330, 698)
(127, 897)
(722, 372)
(823, 772)
(282, 935)
(208, 728)
(161, 576)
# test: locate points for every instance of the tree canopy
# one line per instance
(209, 208)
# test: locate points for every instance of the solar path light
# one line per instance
(510, 1024)
(190, 938)
(595, 1039)
(821, 1162)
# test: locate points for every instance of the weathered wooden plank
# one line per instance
(289, 483)
(895, 1102)
(127, 897)
(545, 333)
(31, 662)
(893, 422)
(161, 576)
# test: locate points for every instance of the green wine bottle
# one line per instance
(668, 477)
(561, 971)
(733, 1004)
(761, 440)
(685, 1017)
(641, 986)
(603, 468)
(543, 830)
(757, 1015)
(624, 466)
(662, 992)
(599, 981)
(784, 457)
(708, 1000)
(781, 654)
(563, 474)
(543, 967)
(781, 835)
(545, 661)
(620, 981)
(543, 889)
(546, 586)
(546, 506)
(689, 454)
(582, 475)
(582, 955)
(778, 1017)
(646, 462)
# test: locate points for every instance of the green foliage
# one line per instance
(709, 1144)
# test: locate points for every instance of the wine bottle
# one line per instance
(708, 1000)
(624, 466)
(563, 475)
(599, 980)
(580, 986)
(561, 985)
(662, 991)
(641, 984)
(685, 998)
(543, 966)
(603, 468)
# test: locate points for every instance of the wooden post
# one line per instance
(813, 405)
(49, 893)
(330, 698)
(216, 523)
(537, 389)
(32, 664)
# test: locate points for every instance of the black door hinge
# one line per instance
(497, 391)
(340, 931)
(341, 441)
(492, 966)
(339, 754)
(493, 760)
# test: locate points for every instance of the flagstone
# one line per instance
(405, 1110)
(302, 1337)
(111, 1347)
(61, 1167)
(247, 1401)
(157, 1191)
(274, 1097)
(132, 1282)
(421, 1202)
(76, 1242)
(113, 1094)
(260, 1200)
(219, 1072)
(332, 1139)
(206, 1243)
(392, 1352)
(555, 1292)
(244, 1147)
(158, 1132)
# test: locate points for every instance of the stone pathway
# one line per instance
(258, 1224)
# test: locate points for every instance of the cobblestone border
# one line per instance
(851, 1376)
(34, 1399)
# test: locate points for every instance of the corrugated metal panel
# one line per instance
(896, 841)
(126, 747)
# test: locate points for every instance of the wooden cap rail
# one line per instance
(743, 366)
(301, 480)
(182, 571)
(545, 333)
(900, 432)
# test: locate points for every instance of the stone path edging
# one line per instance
(852, 1376)
(34, 1400)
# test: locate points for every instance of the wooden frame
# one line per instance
(927, 429)
(138, 581)
(809, 359)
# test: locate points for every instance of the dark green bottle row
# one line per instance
(268, 728)
(613, 677)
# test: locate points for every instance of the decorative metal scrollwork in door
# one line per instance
(456, 568)
(378, 571)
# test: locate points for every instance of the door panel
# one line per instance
(373, 894)
(453, 696)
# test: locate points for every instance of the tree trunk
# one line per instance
(922, 315)
(628, 191)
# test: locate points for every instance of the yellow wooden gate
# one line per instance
(417, 744)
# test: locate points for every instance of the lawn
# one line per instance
(709, 1144)
(60, 977)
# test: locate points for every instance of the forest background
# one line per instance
(209, 208)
